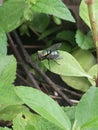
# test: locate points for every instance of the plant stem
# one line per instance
(93, 23)
(94, 28)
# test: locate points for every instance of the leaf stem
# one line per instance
(93, 23)
(92, 18)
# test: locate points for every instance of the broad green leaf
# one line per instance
(93, 72)
(84, 12)
(5, 128)
(11, 111)
(33, 121)
(67, 36)
(8, 96)
(87, 109)
(40, 22)
(79, 83)
(87, 59)
(66, 65)
(3, 42)
(70, 111)
(7, 70)
(53, 7)
(46, 125)
(30, 127)
(7, 76)
(11, 14)
(36, 122)
(91, 124)
(19, 122)
(84, 41)
(65, 46)
(25, 120)
(44, 105)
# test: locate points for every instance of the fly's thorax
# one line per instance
(46, 52)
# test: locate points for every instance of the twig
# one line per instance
(34, 83)
(25, 81)
(34, 66)
(72, 92)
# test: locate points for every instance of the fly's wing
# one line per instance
(53, 56)
(54, 47)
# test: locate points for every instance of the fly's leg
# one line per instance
(55, 62)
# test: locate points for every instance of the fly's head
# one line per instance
(42, 54)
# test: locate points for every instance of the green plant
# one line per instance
(70, 67)
(51, 115)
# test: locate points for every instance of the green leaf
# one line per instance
(65, 46)
(11, 111)
(4, 128)
(19, 122)
(84, 12)
(44, 105)
(48, 32)
(40, 22)
(87, 59)
(84, 41)
(8, 96)
(93, 72)
(46, 125)
(79, 83)
(26, 120)
(70, 111)
(3, 42)
(30, 127)
(33, 121)
(53, 7)
(57, 20)
(87, 109)
(67, 36)
(7, 76)
(11, 14)
(7, 70)
(91, 124)
(66, 65)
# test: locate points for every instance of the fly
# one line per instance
(50, 53)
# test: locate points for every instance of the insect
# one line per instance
(50, 53)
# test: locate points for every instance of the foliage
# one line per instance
(50, 110)
(82, 40)
(73, 69)
(84, 12)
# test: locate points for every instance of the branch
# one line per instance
(35, 67)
